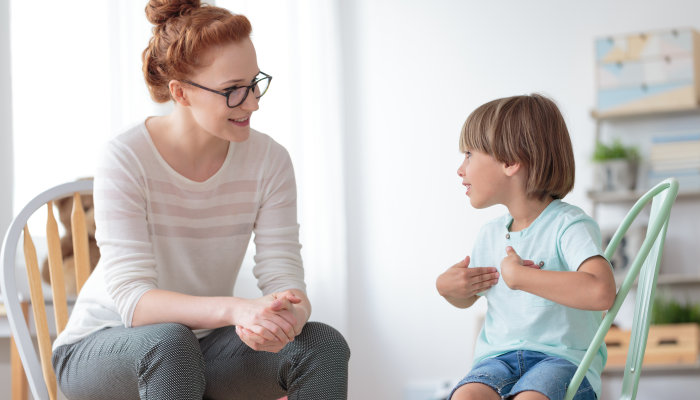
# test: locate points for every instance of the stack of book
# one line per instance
(676, 156)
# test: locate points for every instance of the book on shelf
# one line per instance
(689, 151)
(675, 165)
(688, 137)
(676, 156)
(687, 180)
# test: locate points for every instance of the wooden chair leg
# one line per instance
(20, 386)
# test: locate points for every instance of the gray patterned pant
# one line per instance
(166, 361)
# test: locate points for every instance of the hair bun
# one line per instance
(159, 12)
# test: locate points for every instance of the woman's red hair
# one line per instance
(184, 30)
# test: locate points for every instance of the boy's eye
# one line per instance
(469, 154)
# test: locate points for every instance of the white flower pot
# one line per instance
(615, 175)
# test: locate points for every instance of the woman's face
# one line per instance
(234, 64)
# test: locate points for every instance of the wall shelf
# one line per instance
(685, 111)
(667, 279)
(632, 196)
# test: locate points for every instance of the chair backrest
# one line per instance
(646, 266)
(42, 380)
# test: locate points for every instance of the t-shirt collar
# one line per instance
(547, 210)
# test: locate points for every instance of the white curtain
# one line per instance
(298, 43)
(129, 32)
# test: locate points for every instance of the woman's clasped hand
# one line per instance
(270, 322)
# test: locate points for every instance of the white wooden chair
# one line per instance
(40, 375)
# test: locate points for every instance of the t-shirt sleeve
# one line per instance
(278, 263)
(579, 240)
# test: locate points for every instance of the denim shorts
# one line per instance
(518, 371)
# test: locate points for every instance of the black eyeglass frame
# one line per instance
(233, 89)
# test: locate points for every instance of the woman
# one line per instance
(177, 198)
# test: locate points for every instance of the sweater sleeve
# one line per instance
(122, 230)
(278, 258)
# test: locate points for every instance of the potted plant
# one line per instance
(615, 166)
(669, 311)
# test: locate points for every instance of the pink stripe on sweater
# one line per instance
(200, 233)
(224, 210)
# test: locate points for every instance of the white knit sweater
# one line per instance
(158, 229)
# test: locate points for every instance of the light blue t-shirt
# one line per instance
(562, 237)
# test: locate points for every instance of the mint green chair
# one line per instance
(646, 266)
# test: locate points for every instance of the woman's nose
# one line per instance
(250, 103)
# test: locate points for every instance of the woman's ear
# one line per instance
(178, 92)
(511, 169)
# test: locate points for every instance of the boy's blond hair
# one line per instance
(529, 130)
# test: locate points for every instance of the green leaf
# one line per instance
(615, 151)
(669, 311)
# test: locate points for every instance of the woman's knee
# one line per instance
(174, 344)
(172, 365)
(323, 339)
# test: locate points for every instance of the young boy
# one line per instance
(540, 266)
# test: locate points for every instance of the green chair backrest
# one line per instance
(646, 265)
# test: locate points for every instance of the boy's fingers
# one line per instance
(510, 251)
(481, 286)
(481, 271)
(486, 278)
(528, 262)
(463, 264)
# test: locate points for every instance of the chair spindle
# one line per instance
(58, 283)
(81, 249)
(39, 311)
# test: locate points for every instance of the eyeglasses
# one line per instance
(236, 95)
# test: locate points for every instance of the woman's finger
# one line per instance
(283, 321)
(287, 315)
(253, 337)
(276, 330)
(289, 295)
(249, 339)
(281, 303)
(268, 331)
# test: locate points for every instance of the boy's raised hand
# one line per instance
(462, 282)
(512, 261)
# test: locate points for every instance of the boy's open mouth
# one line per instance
(468, 186)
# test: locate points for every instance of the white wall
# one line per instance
(414, 72)
(6, 160)
(5, 164)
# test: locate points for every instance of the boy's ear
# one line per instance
(511, 169)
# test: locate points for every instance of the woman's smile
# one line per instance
(245, 121)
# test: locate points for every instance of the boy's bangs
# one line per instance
(475, 132)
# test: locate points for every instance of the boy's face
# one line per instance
(483, 175)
